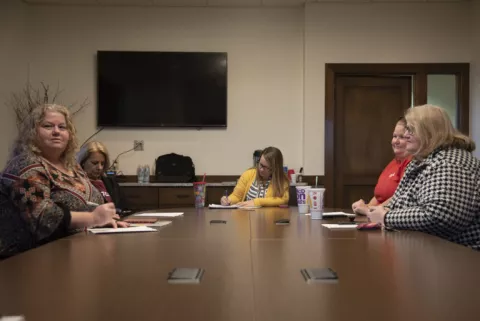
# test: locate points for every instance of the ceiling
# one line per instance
(211, 3)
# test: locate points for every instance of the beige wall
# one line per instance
(13, 67)
(265, 72)
(276, 66)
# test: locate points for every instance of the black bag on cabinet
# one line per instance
(174, 168)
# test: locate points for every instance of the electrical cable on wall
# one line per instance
(116, 158)
(101, 128)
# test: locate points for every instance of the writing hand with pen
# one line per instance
(224, 200)
(105, 215)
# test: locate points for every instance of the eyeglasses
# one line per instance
(261, 166)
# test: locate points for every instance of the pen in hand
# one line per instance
(95, 205)
(226, 198)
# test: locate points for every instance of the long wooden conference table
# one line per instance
(252, 272)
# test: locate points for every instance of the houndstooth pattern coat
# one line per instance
(440, 195)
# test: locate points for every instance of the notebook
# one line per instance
(141, 220)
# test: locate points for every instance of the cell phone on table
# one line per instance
(369, 226)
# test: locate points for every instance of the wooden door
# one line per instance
(366, 111)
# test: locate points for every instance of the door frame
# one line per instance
(419, 71)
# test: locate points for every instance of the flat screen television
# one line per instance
(161, 89)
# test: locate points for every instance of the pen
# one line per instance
(92, 204)
(96, 205)
(226, 197)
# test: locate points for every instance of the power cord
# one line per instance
(116, 158)
(101, 128)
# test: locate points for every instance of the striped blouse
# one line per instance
(257, 190)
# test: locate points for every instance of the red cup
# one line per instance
(290, 172)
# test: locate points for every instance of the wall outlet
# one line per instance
(138, 145)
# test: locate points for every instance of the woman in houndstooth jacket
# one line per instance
(439, 192)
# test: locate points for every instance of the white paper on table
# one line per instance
(328, 214)
(233, 207)
(333, 214)
(222, 206)
(133, 229)
(340, 226)
(159, 214)
(12, 318)
(155, 224)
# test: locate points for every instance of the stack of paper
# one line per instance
(233, 206)
(133, 229)
(159, 214)
(341, 226)
(222, 206)
(155, 224)
(336, 214)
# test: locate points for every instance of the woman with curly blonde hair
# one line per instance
(27, 140)
(44, 194)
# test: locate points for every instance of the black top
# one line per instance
(114, 190)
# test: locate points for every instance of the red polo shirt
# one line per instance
(98, 183)
(389, 179)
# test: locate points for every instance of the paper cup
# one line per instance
(316, 203)
(303, 209)
(293, 178)
(302, 199)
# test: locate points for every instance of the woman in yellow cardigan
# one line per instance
(266, 185)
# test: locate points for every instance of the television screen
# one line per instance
(161, 89)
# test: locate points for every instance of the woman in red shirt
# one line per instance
(93, 157)
(391, 175)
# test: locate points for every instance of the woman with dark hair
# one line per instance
(264, 185)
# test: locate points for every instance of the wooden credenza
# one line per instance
(142, 196)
